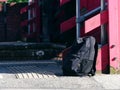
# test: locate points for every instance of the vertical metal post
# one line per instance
(77, 19)
(5, 21)
(34, 15)
(103, 27)
(45, 18)
(29, 16)
(114, 35)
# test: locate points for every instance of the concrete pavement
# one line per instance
(99, 82)
(48, 76)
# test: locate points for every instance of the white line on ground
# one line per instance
(1, 76)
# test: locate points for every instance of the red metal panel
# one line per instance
(114, 34)
(96, 21)
(63, 2)
(25, 9)
(83, 3)
(92, 4)
(67, 25)
(87, 4)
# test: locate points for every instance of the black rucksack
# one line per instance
(80, 59)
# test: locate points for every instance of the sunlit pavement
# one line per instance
(48, 75)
